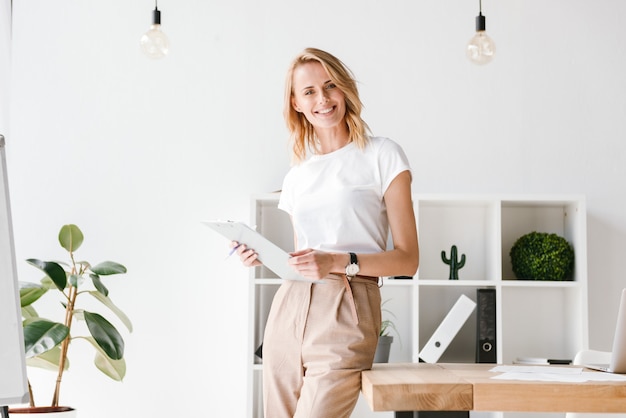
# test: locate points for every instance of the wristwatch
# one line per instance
(352, 269)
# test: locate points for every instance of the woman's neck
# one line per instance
(331, 140)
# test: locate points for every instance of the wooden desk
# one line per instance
(467, 387)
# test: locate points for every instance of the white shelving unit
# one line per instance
(533, 318)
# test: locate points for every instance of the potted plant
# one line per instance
(542, 256)
(47, 342)
(384, 339)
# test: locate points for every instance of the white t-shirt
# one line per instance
(336, 199)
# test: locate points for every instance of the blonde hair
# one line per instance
(302, 134)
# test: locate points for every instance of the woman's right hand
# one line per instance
(248, 256)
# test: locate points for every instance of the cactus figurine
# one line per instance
(453, 262)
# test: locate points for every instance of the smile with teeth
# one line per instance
(326, 111)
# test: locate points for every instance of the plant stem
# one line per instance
(30, 394)
(69, 310)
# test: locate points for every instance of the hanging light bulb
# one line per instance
(481, 48)
(154, 43)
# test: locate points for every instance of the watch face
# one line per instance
(352, 269)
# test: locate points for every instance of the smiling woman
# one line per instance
(321, 102)
(334, 78)
(344, 193)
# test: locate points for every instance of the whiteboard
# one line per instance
(13, 380)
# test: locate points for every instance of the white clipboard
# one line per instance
(270, 254)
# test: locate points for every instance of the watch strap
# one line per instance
(352, 269)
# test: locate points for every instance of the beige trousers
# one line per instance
(314, 350)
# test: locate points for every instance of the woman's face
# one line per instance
(317, 97)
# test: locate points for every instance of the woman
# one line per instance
(344, 192)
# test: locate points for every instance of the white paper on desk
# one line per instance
(543, 377)
(537, 369)
(270, 254)
(553, 374)
(604, 377)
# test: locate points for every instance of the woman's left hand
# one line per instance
(312, 264)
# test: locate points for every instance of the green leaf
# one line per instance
(70, 237)
(48, 283)
(32, 319)
(117, 311)
(30, 292)
(48, 360)
(97, 282)
(42, 335)
(105, 334)
(53, 270)
(28, 312)
(115, 369)
(108, 267)
(76, 280)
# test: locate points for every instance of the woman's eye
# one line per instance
(308, 92)
(331, 85)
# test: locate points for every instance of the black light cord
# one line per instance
(156, 14)
(480, 19)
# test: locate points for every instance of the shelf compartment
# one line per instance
(398, 306)
(542, 322)
(564, 217)
(471, 225)
(434, 304)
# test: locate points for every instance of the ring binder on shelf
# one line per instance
(486, 351)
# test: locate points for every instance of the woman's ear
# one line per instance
(294, 105)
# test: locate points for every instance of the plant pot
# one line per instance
(382, 349)
(45, 411)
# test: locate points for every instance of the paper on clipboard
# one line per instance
(270, 254)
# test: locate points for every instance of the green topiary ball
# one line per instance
(542, 256)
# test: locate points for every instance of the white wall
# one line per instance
(5, 65)
(137, 152)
